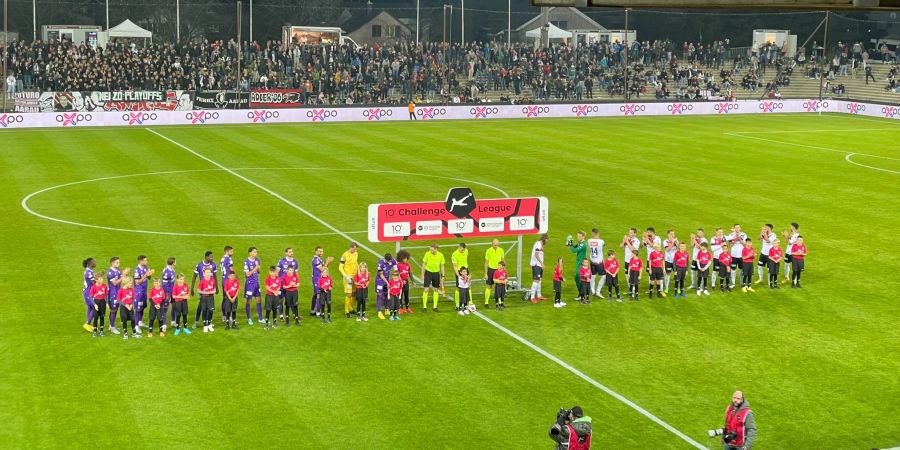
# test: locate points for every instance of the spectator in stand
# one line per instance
(11, 86)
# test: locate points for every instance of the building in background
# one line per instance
(382, 27)
(567, 19)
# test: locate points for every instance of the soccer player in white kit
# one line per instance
(697, 240)
(537, 268)
(650, 241)
(595, 253)
(631, 244)
(767, 237)
(671, 246)
(716, 245)
(736, 238)
(791, 240)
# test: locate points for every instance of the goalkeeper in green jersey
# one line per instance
(579, 248)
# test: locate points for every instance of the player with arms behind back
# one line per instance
(595, 253)
(537, 268)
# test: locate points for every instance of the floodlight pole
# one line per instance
(237, 77)
(107, 17)
(34, 19)
(625, 49)
(177, 20)
(251, 21)
(824, 57)
(508, 23)
(5, 47)
(417, 22)
(462, 22)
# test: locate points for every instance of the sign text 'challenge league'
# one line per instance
(460, 216)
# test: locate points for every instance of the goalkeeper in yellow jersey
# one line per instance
(348, 268)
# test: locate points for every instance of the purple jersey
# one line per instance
(112, 274)
(225, 263)
(202, 266)
(285, 263)
(168, 279)
(384, 267)
(316, 273)
(88, 282)
(140, 289)
(252, 280)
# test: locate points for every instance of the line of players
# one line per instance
(129, 296)
(126, 293)
(721, 257)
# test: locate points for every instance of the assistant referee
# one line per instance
(432, 274)
(492, 258)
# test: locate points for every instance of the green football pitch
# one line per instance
(819, 365)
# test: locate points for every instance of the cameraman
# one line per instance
(572, 430)
(740, 423)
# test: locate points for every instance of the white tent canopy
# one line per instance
(128, 29)
(554, 32)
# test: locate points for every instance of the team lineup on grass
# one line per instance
(124, 292)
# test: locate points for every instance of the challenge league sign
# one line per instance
(459, 216)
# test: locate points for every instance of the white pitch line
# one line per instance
(515, 336)
(813, 131)
(814, 147)
(595, 383)
(266, 190)
(847, 158)
(30, 196)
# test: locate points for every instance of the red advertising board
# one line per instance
(460, 216)
(275, 98)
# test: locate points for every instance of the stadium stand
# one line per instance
(443, 73)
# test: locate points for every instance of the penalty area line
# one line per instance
(515, 336)
(593, 382)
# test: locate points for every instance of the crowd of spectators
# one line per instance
(437, 72)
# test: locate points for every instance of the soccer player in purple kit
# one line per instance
(207, 263)
(318, 264)
(225, 264)
(114, 280)
(283, 264)
(251, 285)
(141, 274)
(88, 265)
(168, 281)
(384, 269)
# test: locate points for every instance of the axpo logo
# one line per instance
(814, 105)
(631, 109)
(770, 107)
(377, 113)
(483, 112)
(855, 108)
(138, 118)
(10, 120)
(73, 119)
(431, 113)
(200, 117)
(535, 111)
(726, 107)
(321, 115)
(262, 115)
(585, 110)
(679, 108)
(891, 112)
